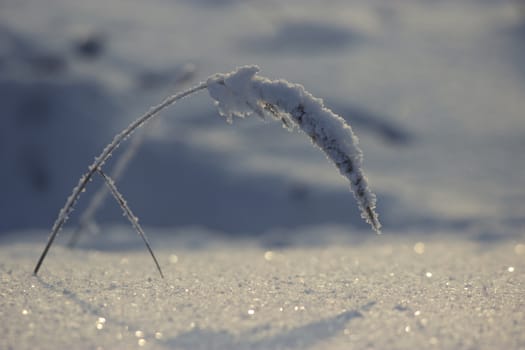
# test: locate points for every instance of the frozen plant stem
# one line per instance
(102, 158)
(184, 73)
(242, 93)
(86, 219)
(129, 214)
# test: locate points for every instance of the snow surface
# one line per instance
(433, 89)
(324, 290)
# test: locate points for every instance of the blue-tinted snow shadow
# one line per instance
(514, 40)
(383, 127)
(47, 139)
(303, 37)
(58, 289)
(302, 337)
(509, 41)
(47, 132)
(181, 186)
(23, 56)
(85, 303)
(213, 4)
(54, 122)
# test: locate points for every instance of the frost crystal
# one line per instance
(242, 93)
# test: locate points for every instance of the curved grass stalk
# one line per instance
(86, 219)
(102, 158)
(242, 93)
(184, 73)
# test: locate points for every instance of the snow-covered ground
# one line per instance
(336, 293)
(435, 91)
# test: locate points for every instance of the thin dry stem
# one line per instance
(98, 198)
(100, 160)
(129, 214)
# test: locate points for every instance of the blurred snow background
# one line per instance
(257, 233)
(434, 89)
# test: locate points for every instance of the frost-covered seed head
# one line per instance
(242, 93)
